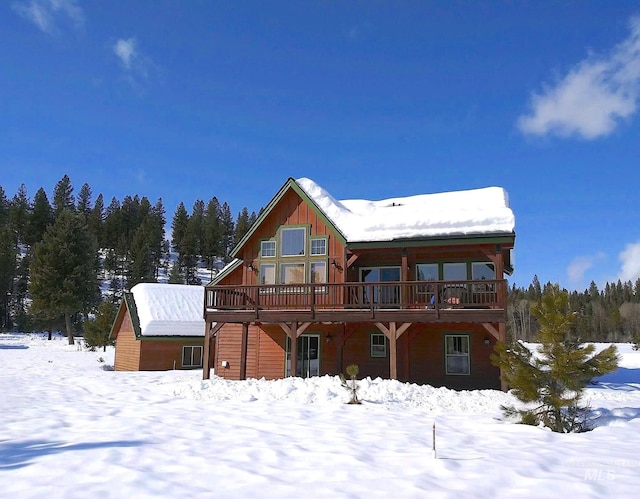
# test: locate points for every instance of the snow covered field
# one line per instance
(71, 429)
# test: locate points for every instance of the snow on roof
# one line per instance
(169, 309)
(477, 211)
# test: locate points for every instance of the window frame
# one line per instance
(377, 335)
(317, 239)
(459, 355)
(275, 248)
(193, 348)
(284, 230)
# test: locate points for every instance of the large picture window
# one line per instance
(457, 354)
(267, 273)
(191, 356)
(292, 273)
(293, 241)
(454, 271)
(319, 272)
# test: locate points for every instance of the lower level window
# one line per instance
(191, 356)
(457, 354)
(378, 345)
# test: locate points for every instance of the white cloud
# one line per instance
(593, 97)
(579, 265)
(126, 51)
(46, 13)
(630, 262)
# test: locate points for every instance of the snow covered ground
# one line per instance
(71, 429)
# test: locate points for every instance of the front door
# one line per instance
(308, 363)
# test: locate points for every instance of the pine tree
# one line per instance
(63, 195)
(179, 227)
(19, 215)
(63, 275)
(212, 232)
(96, 220)
(555, 378)
(8, 255)
(97, 331)
(83, 203)
(41, 217)
(227, 225)
(242, 225)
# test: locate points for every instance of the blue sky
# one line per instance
(189, 100)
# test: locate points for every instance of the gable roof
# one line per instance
(475, 212)
(165, 309)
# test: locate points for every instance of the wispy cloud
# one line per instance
(135, 64)
(579, 266)
(629, 262)
(46, 14)
(593, 97)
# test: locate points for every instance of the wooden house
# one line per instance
(159, 327)
(407, 288)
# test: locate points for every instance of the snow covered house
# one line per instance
(159, 327)
(409, 288)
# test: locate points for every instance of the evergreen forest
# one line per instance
(90, 243)
(124, 242)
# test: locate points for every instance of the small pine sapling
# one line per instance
(552, 381)
(352, 384)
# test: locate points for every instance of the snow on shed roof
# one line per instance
(169, 309)
(477, 211)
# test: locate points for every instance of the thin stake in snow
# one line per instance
(433, 451)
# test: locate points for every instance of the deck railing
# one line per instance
(359, 296)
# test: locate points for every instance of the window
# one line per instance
(427, 272)
(191, 356)
(481, 270)
(319, 272)
(267, 249)
(454, 271)
(318, 247)
(457, 354)
(292, 273)
(267, 273)
(293, 241)
(378, 345)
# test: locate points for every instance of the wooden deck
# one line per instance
(414, 301)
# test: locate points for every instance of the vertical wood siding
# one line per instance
(127, 356)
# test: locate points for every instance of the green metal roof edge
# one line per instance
(133, 312)
(226, 271)
(435, 241)
(289, 184)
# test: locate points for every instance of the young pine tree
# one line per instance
(97, 331)
(552, 381)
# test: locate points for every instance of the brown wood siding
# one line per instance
(291, 210)
(252, 352)
(427, 357)
(271, 344)
(127, 355)
(165, 354)
(228, 347)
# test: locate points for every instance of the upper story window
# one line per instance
(267, 249)
(454, 271)
(293, 241)
(318, 247)
(427, 272)
(481, 270)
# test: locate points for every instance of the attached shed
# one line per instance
(159, 327)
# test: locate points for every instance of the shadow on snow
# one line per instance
(18, 454)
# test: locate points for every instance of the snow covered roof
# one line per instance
(169, 309)
(477, 211)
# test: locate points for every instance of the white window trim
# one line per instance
(324, 253)
(467, 355)
(193, 349)
(371, 345)
(275, 249)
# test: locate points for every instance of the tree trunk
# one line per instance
(67, 322)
